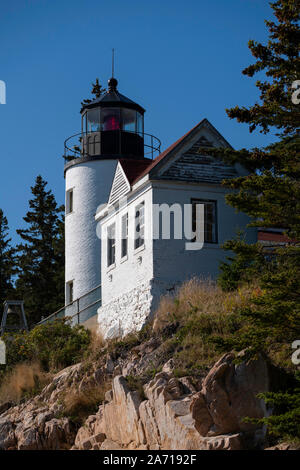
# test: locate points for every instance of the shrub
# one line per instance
(285, 419)
(54, 345)
(247, 263)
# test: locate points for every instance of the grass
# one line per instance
(136, 384)
(79, 404)
(23, 381)
(201, 311)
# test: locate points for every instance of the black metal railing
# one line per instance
(88, 144)
(80, 310)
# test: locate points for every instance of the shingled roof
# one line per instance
(133, 169)
(161, 156)
(172, 148)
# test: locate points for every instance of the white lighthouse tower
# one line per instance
(112, 128)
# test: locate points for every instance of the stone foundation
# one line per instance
(130, 311)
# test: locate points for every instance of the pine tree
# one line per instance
(7, 261)
(270, 194)
(97, 90)
(41, 255)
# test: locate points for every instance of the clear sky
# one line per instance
(179, 59)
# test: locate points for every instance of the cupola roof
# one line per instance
(112, 98)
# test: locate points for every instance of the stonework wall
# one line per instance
(130, 311)
(126, 313)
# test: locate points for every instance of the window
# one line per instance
(111, 245)
(210, 219)
(124, 246)
(110, 119)
(139, 225)
(129, 120)
(93, 120)
(139, 122)
(69, 201)
(70, 292)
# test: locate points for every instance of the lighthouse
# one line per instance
(112, 128)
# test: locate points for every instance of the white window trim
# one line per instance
(68, 283)
(112, 265)
(140, 204)
(139, 248)
(67, 211)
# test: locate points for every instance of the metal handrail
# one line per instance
(75, 302)
(76, 150)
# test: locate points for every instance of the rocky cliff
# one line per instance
(164, 413)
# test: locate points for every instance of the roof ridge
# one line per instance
(162, 155)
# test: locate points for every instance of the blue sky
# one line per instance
(181, 60)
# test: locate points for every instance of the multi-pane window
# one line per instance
(124, 241)
(139, 225)
(69, 201)
(111, 245)
(210, 219)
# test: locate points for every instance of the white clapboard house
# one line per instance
(120, 257)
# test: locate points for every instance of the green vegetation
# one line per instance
(79, 404)
(7, 260)
(34, 270)
(285, 421)
(199, 312)
(55, 345)
(270, 194)
(32, 357)
(40, 260)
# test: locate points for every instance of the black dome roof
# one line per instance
(112, 98)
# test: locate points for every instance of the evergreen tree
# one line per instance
(7, 262)
(270, 194)
(41, 255)
(97, 90)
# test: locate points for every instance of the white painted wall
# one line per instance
(131, 288)
(126, 286)
(173, 264)
(91, 182)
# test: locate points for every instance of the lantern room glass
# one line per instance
(129, 120)
(109, 119)
(139, 123)
(93, 120)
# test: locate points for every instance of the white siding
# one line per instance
(91, 183)
(120, 186)
(131, 290)
(126, 287)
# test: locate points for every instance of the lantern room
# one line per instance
(112, 125)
